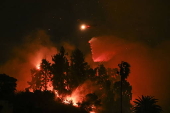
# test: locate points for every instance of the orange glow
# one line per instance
(78, 94)
(102, 54)
(69, 100)
(56, 94)
(93, 109)
(92, 112)
(38, 66)
(75, 98)
(50, 86)
(83, 27)
(146, 63)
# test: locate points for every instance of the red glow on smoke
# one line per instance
(112, 52)
(148, 70)
(37, 46)
(101, 55)
(146, 66)
(38, 66)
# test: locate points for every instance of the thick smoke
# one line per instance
(149, 65)
(36, 46)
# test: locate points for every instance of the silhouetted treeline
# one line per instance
(112, 93)
(7, 87)
(41, 102)
(66, 73)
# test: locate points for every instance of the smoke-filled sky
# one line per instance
(136, 31)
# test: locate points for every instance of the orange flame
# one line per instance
(38, 66)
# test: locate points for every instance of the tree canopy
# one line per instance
(7, 86)
(146, 104)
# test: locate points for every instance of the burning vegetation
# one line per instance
(69, 85)
(75, 83)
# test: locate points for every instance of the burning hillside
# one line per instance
(75, 83)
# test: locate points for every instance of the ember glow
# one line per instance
(68, 99)
(71, 100)
(78, 95)
(38, 66)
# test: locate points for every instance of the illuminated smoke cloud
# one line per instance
(27, 56)
(150, 67)
(105, 48)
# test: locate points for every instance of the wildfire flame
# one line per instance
(38, 66)
(75, 98)
(71, 100)
(92, 112)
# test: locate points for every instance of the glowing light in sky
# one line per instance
(83, 27)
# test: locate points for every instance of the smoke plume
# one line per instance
(36, 46)
(149, 65)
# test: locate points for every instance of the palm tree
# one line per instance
(146, 104)
(124, 73)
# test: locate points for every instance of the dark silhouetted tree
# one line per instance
(123, 96)
(108, 97)
(41, 78)
(90, 102)
(60, 69)
(102, 77)
(45, 68)
(78, 68)
(146, 104)
(123, 89)
(35, 83)
(91, 73)
(7, 86)
(124, 70)
(41, 102)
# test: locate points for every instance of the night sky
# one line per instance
(140, 25)
(146, 20)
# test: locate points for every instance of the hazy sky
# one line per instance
(146, 20)
(136, 31)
